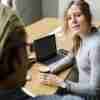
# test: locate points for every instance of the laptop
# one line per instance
(46, 50)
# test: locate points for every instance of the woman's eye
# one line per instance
(78, 15)
(69, 18)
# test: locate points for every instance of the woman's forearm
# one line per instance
(62, 64)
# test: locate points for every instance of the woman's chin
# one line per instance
(76, 32)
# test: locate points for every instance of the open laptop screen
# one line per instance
(45, 47)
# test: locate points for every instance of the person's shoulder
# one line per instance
(11, 15)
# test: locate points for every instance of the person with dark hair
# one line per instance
(13, 56)
(86, 53)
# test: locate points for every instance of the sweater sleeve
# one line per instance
(62, 64)
(93, 86)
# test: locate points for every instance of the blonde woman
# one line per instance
(86, 51)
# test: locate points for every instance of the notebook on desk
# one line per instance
(46, 50)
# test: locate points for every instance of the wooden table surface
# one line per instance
(35, 87)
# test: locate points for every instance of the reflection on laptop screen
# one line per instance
(45, 47)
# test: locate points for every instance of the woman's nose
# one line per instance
(74, 20)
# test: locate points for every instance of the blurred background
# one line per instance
(33, 10)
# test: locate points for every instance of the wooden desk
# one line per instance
(38, 89)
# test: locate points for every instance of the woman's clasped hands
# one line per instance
(51, 80)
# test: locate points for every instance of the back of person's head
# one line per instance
(13, 55)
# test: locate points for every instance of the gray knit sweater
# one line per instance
(88, 63)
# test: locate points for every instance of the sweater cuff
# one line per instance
(63, 89)
(68, 86)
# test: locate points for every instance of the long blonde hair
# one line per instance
(85, 9)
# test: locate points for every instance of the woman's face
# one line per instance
(76, 21)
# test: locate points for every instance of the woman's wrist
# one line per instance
(62, 84)
(66, 85)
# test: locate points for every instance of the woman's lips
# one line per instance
(76, 27)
